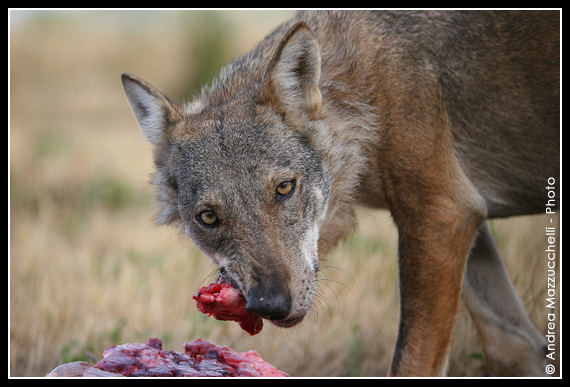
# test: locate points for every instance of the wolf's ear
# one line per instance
(292, 80)
(153, 110)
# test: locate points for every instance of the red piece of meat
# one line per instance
(225, 302)
(134, 359)
(201, 358)
(247, 363)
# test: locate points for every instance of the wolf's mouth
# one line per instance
(282, 322)
(288, 322)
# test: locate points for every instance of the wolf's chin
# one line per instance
(288, 322)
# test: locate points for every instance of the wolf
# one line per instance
(444, 118)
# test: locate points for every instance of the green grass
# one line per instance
(74, 351)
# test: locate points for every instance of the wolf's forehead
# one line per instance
(206, 113)
(222, 136)
(225, 154)
(224, 143)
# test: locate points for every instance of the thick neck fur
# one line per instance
(344, 142)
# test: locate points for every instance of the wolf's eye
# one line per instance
(208, 218)
(285, 189)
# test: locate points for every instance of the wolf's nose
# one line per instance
(273, 306)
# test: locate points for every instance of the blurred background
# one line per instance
(88, 268)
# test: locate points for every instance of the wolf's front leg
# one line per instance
(432, 257)
(438, 212)
(431, 272)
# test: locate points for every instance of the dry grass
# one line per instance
(88, 268)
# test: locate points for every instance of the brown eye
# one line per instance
(286, 188)
(208, 218)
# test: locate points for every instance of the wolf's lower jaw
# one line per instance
(288, 322)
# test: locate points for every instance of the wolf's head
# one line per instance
(239, 170)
